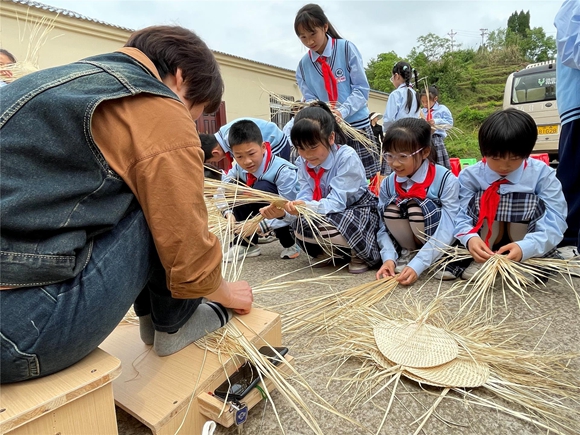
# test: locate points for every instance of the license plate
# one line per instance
(548, 129)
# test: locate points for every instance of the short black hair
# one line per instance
(407, 135)
(244, 131)
(208, 144)
(9, 55)
(508, 132)
(314, 125)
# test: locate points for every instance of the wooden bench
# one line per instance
(163, 393)
(77, 400)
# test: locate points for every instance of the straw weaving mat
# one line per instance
(413, 344)
(459, 373)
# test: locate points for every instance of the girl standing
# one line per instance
(332, 183)
(436, 114)
(333, 71)
(418, 204)
(402, 102)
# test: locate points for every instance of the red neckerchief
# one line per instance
(417, 190)
(430, 114)
(488, 205)
(229, 161)
(316, 176)
(330, 83)
(250, 178)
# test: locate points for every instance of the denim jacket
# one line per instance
(57, 191)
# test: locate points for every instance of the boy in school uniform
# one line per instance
(258, 167)
(216, 147)
(509, 203)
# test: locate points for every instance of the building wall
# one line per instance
(247, 83)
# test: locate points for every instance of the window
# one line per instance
(279, 112)
(537, 86)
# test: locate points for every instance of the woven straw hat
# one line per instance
(413, 344)
(459, 373)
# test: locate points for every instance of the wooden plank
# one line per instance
(23, 402)
(212, 407)
(93, 413)
(157, 391)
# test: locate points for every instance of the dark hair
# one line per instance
(8, 55)
(212, 172)
(407, 135)
(404, 70)
(173, 47)
(208, 144)
(314, 125)
(509, 131)
(310, 17)
(244, 131)
(433, 92)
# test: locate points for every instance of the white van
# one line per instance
(533, 90)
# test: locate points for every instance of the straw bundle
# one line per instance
(515, 277)
(38, 35)
(537, 386)
(346, 128)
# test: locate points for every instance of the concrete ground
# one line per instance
(556, 305)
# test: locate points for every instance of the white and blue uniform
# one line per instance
(353, 88)
(397, 106)
(567, 24)
(278, 141)
(280, 172)
(532, 195)
(346, 202)
(441, 115)
(444, 192)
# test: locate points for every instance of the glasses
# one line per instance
(401, 158)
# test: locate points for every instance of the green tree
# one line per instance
(433, 46)
(380, 70)
(519, 23)
(538, 47)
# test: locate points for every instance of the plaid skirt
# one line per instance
(515, 207)
(441, 151)
(369, 159)
(358, 224)
(431, 212)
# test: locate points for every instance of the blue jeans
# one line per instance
(46, 329)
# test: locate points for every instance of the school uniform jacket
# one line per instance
(353, 87)
(444, 191)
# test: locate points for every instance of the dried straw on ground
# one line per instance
(531, 385)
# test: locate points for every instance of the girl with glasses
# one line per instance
(418, 204)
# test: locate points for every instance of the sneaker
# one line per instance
(357, 265)
(568, 252)
(290, 253)
(444, 275)
(404, 259)
(471, 270)
(238, 252)
(267, 238)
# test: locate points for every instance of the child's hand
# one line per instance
(386, 270)
(231, 219)
(514, 251)
(290, 207)
(432, 122)
(479, 250)
(408, 276)
(272, 212)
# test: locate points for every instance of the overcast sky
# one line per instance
(263, 30)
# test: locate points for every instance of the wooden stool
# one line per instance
(77, 400)
(158, 391)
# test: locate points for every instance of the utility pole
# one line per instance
(452, 35)
(483, 33)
